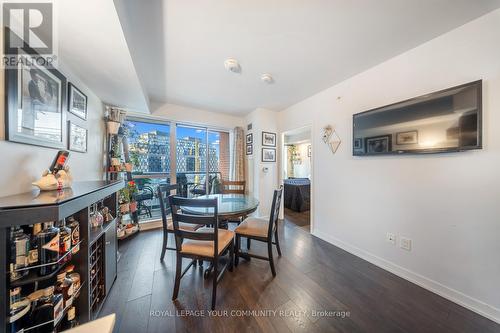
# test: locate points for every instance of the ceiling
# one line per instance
(179, 46)
(91, 42)
(136, 54)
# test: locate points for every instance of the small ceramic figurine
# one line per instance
(50, 182)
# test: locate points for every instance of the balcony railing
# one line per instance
(191, 184)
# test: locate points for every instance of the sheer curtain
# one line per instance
(238, 155)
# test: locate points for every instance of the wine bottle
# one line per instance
(48, 248)
(59, 161)
(19, 253)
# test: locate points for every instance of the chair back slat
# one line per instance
(193, 219)
(233, 187)
(163, 191)
(180, 205)
(275, 210)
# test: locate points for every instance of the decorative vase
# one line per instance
(113, 127)
(124, 208)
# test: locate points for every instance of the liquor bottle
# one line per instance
(33, 252)
(19, 309)
(64, 241)
(71, 321)
(59, 161)
(48, 309)
(65, 287)
(75, 232)
(19, 253)
(48, 248)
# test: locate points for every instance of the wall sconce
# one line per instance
(331, 138)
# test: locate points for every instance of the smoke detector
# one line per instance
(232, 65)
(267, 78)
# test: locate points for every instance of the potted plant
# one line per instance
(132, 190)
(114, 119)
(124, 200)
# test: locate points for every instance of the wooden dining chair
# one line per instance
(206, 244)
(163, 192)
(261, 230)
(232, 187)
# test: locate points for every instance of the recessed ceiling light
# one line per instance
(267, 78)
(232, 65)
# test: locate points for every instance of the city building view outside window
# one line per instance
(202, 159)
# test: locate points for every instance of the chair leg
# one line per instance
(277, 242)
(237, 251)
(248, 243)
(214, 290)
(164, 246)
(178, 268)
(270, 252)
(231, 256)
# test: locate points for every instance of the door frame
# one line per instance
(283, 164)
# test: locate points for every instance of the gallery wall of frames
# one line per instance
(43, 108)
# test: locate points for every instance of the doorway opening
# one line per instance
(297, 172)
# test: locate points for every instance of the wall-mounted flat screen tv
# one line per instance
(444, 121)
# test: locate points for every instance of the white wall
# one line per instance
(448, 204)
(260, 183)
(23, 163)
(197, 116)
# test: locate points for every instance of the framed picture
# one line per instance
(249, 149)
(77, 138)
(378, 144)
(249, 138)
(407, 138)
(35, 103)
(309, 151)
(77, 102)
(268, 155)
(269, 139)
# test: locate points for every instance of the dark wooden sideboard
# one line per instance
(97, 247)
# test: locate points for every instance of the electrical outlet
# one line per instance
(391, 238)
(405, 243)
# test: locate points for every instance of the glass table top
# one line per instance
(228, 204)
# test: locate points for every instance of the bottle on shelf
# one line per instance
(19, 309)
(71, 321)
(64, 241)
(20, 243)
(75, 232)
(48, 309)
(75, 279)
(65, 287)
(33, 252)
(48, 248)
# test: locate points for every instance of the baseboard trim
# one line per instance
(153, 224)
(453, 295)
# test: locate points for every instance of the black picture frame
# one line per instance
(71, 145)
(268, 136)
(400, 140)
(72, 92)
(13, 85)
(249, 150)
(249, 138)
(264, 158)
(384, 144)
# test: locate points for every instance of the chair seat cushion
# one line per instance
(253, 226)
(184, 226)
(206, 248)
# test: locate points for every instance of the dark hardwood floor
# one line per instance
(312, 276)
(300, 219)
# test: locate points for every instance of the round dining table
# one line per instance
(229, 206)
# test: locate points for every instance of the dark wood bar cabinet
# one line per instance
(95, 261)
